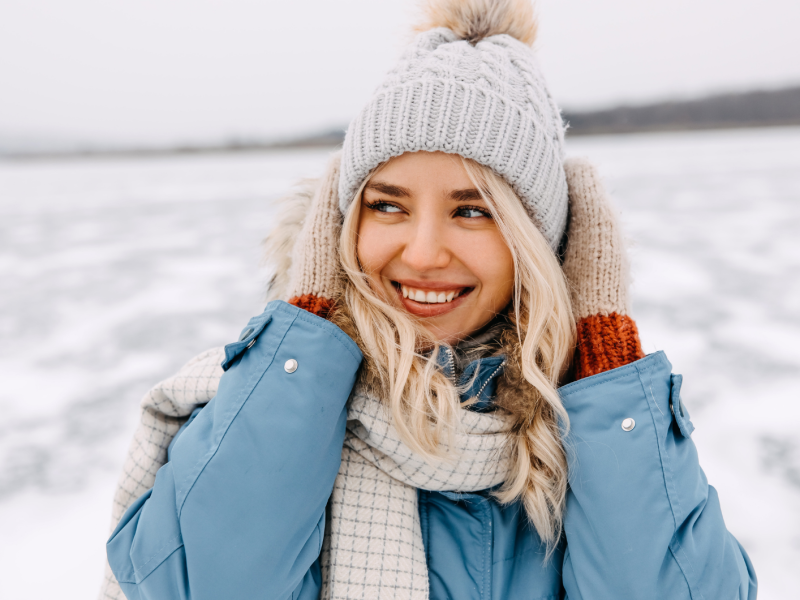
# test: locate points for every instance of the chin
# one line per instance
(447, 333)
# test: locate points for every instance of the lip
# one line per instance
(420, 309)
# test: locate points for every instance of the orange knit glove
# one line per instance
(597, 271)
(315, 270)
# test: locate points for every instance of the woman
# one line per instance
(453, 403)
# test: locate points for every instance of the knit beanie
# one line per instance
(469, 84)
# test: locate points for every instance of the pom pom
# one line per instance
(474, 20)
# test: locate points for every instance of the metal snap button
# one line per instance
(628, 424)
(290, 366)
(245, 333)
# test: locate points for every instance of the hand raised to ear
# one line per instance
(597, 271)
(315, 270)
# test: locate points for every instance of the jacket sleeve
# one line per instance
(239, 509)
(641, 520)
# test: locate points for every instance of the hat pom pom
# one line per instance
(474, 20)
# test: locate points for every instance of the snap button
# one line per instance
(245, 333)
(628, 424)
(290, 366)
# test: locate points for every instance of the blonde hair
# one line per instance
(424, 403)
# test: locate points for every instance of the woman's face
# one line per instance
(428, 243)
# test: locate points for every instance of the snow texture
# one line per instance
(113, 273)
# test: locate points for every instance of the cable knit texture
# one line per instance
(597, 270)
(487, 101)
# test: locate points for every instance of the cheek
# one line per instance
(491, 262)
(374, 249)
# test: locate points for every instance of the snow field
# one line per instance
(115, 272)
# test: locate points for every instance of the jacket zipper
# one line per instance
(485, 383)
(451, 361)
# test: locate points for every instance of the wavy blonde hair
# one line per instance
(424, 403)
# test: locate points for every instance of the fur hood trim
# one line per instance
(279, 243)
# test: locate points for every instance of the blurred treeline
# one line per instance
(749, 109)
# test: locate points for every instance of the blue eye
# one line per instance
(473, 212)
(384, 207)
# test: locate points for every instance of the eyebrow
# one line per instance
(466, 195)
(397, 191)
(390, 190)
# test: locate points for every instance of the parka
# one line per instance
(239, 509)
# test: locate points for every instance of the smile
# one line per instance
(436, 299)
(430, 296)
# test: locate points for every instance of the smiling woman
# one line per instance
(447, 397)
(428, 242)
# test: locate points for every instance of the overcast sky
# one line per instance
(165, 71)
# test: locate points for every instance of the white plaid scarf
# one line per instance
(373, 544)
(373, 547)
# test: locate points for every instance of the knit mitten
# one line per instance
(597, 271)
(315, 271)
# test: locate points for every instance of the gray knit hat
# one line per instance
(485, 100)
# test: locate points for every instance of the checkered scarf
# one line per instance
(373, 540)
(373, 546)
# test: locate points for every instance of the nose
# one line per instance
(426, 249)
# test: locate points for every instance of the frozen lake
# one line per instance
(113, 273)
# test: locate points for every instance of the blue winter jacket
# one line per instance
(238, 511)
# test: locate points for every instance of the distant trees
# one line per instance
(749, 109)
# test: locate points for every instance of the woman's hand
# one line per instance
(315, 268)
(597, 271)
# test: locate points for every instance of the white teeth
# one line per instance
(429, 297)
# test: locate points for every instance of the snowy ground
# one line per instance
(114, 272)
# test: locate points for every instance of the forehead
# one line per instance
(424, 171)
